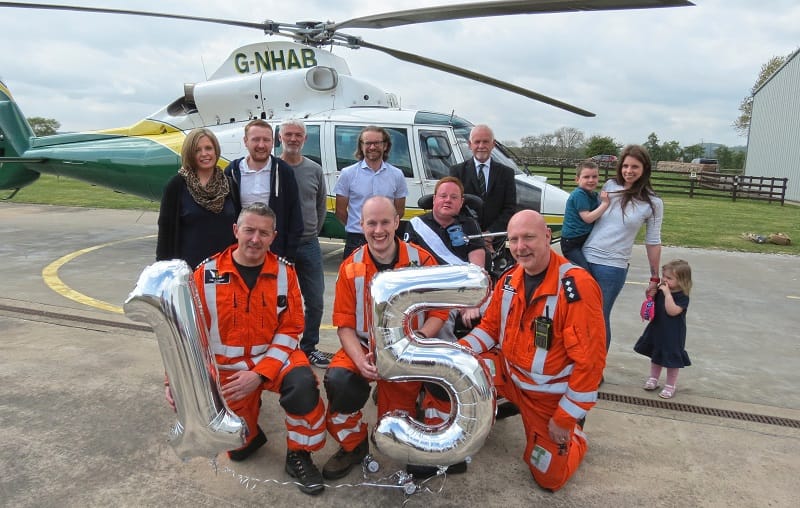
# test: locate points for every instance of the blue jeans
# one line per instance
(308, 262)
(611, 280)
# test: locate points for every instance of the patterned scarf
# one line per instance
(212, 196)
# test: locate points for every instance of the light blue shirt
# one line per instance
(358, 183)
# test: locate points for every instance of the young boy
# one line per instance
(583, 208)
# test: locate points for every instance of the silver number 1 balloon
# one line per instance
(166, 298)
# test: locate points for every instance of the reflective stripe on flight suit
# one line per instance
(254, 353)
(360, 285)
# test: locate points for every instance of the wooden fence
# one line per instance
(684, 183)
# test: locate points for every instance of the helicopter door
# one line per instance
(436, 151)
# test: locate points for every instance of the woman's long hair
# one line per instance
(641, 189)
(189, 147)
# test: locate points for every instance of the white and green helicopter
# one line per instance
(277, 80)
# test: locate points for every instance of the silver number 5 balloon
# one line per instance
(400, 356)
(166, 298)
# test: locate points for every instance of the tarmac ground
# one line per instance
(84, 421)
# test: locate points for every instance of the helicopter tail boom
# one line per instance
(15, 139)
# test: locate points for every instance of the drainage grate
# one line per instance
(710, 411)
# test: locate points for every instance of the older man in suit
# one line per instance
(489, 179)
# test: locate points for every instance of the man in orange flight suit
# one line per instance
(254, 312)
(347, 380)
(545, 334)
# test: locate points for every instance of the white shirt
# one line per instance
(255, 183)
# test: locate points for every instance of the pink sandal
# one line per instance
(668, 392)
(651, 384)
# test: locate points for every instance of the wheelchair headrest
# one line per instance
(472, 201)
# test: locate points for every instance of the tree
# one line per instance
(742, 124)
(600, 145)
(693, 152)
(43, 126)
(670, 151)
(724, 156)
(653, 147)
(568, 141)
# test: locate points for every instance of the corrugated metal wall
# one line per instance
(773, 145)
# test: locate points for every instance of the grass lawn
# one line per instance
(57, 190)
(709, 223)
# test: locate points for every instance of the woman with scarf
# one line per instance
(197, 212)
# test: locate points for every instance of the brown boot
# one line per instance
(343, 461)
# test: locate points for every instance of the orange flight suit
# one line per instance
(258, 330)
(560, 382)
(347, 390)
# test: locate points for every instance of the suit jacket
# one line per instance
(500, 200)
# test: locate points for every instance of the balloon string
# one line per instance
(399, 480)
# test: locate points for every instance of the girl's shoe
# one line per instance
(668, 392)
(651, 384)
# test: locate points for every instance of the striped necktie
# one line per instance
(481, 179)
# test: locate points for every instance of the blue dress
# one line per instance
(664, 338)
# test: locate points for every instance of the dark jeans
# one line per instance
(308, 262)
(572, 249)
(353, 241)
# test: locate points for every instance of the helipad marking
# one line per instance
(54, 282)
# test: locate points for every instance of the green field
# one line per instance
(57, 190)
(709, 223)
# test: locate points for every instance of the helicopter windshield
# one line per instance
(461, 128)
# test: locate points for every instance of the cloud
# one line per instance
(678, 72)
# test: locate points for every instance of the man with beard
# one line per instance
(370, 176)
(260, 177)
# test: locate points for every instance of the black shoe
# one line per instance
(240, 454)
(425, 472)
(318, 359)
(342, 461)
(300, 467)
(505, 410)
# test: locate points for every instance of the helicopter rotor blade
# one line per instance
(502, 8)
(481, 78)
(267, 26)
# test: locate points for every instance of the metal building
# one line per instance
(773, 144)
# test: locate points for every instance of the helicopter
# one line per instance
(277, 80)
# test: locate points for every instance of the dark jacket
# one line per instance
(209, 232)
(500, 200)
(285, 203)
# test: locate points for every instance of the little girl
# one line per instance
(664, 338)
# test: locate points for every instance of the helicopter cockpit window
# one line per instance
(528, 197)
(311, 148)
(347, 138)
(437, 155)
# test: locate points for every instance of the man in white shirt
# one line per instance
(260, 177)
(370, 176)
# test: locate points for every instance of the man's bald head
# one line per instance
(529, 241)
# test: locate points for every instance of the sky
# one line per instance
(678, 72)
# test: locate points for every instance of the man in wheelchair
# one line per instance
(444, 231)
